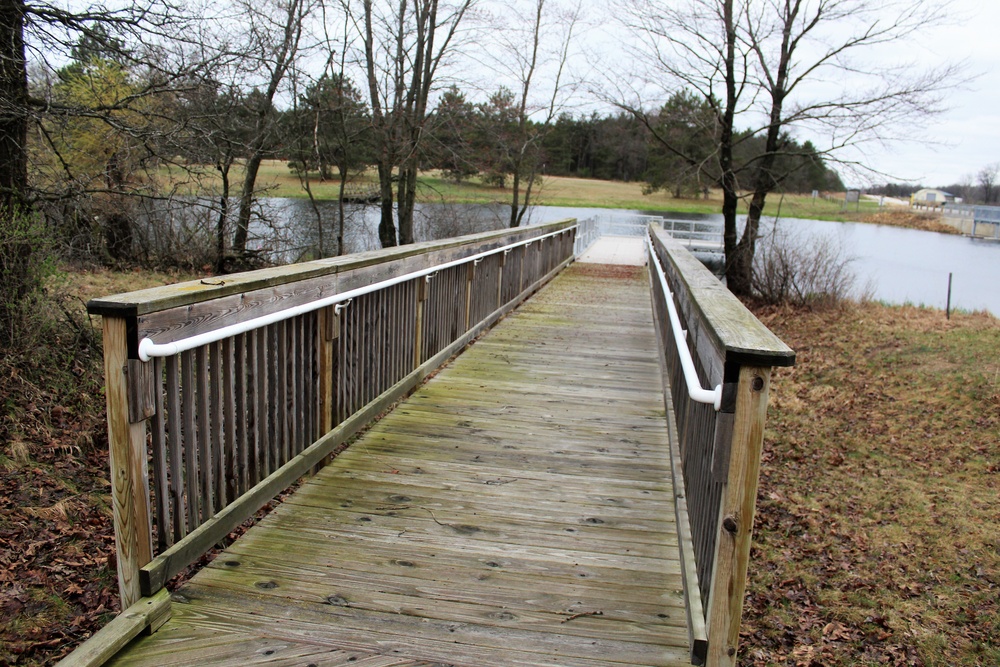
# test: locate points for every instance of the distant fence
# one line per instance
(702, 236)
(977, 221)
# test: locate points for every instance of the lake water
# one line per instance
(899, 265)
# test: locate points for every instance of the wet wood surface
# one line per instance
(516, 510)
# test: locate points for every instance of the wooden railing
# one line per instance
(253, 379)
(715, 452)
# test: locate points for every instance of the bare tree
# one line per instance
(275, 39)
(810, 65)
(987, 180)
(39, 36)
(403, 50)
(525, 53)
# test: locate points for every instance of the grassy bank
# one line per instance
(878, 510)
(276, 180)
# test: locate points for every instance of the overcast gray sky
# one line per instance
(946, 148)
(967, 137)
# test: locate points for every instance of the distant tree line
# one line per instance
(466, 139)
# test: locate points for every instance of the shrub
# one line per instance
(792, 268)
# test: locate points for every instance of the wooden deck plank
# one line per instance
(536, 595)
(516, 511)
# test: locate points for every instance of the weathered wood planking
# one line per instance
(513, 532)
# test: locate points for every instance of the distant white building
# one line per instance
(930, 196)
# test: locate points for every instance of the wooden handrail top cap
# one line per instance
(735, 329)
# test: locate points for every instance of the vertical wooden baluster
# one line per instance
(192, 485)
(205, 458)
(385, 344)
(388, 320)
(381, 350)
(501, 263)
(364, 350)
(161, 486)
(294, 398)
(280, 355)
(307, 338)
(262, 442)
(470, 277)
(388, 336)
(347, 353)
(369, 341)
(359, 337)
(216, 381)
(399, 331)
(350, 358)
(242, 373)
(338, 367)
(418, 326)
(175, 444)
(231, 475)
(327, 351)
(310, 378)
(462, 291)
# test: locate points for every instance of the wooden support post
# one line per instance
(329, 330)
(129, 474)
(739, 496)
(141, 391)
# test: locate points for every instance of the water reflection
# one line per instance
(297, 230)
(901, 265)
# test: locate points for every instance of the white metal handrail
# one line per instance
(148, 349)
(695, 390)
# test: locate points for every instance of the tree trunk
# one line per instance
(246, 204)
(764, 180)
(407, 201)
(730, 197)
(515, 197)
(17, 280)
(14, 116)
(386, 224)
(340, 211)
(220, 226)
(118, 231)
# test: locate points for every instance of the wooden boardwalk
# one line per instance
(516, 510)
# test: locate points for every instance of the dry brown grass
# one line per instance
(877, 533)
(904, 217)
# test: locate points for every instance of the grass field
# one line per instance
(276, 180)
